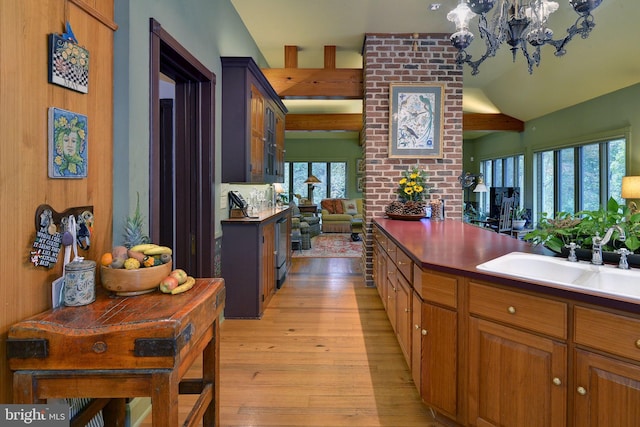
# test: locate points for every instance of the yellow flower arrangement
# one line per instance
(412, 185)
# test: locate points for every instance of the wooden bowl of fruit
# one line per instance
(138, 281)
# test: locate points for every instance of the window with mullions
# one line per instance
(582, 177)
(502, 172)
(332, 176)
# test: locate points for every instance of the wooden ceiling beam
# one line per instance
(344, 83)
(291, 56)
(326, 122)
(347, 83)
(353, 122)
(472, 122)
(330, 57)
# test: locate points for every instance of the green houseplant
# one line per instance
(556, 233)
(519, 218)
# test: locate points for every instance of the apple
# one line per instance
(180, 275)
(168, 284)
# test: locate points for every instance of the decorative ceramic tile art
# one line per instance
(68, 63)
(67, 144)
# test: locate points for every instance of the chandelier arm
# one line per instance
(491, 42)
(583, 26)
(531, 60)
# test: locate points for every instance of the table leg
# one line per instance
(164, 398)
(211, 374)
(23, 388)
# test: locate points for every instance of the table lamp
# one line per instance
(631, 190)
(278, 190)
(311, 182)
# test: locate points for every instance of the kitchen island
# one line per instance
(489, 349)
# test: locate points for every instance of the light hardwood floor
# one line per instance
(324, 354)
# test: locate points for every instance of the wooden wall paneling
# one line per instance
(24, 183)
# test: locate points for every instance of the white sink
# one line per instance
(604, 279)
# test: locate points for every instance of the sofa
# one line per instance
(338, 213)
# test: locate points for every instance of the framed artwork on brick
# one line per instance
(416, 116)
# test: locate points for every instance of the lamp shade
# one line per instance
(480, 188)
(279, 189)
(312, 180)
(631, 187)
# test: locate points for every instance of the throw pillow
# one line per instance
(328, 205)
(337, 205)
(350, 207)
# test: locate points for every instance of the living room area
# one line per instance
(323, 171)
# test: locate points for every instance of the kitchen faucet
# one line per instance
(599, 242)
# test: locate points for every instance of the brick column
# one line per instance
(402, 58)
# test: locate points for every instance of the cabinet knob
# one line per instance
(511, 310)
(557, 381)
(638, 344)
(416, 326)
(406, 310)
(424, 332)
(582, 391)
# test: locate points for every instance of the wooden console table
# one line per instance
(122, 347)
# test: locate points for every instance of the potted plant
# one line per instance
(412, 189)
(519, 218)
(580, 228)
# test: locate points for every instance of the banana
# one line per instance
(184, 287)
(143, 247)
(158, 250)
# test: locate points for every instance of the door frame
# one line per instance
(169, 57)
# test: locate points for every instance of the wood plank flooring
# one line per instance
(324, 354)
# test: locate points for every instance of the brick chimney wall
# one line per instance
(405, 58)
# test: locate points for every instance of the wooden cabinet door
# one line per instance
(280, 136)
(439, 375)
(257, 136)
(416, 340)
(516, 378)
(390, 291)
(607, 391)
(268, 263)
(269, 142)
(379, 271)
(403, 316)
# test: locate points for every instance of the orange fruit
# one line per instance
(106, 259)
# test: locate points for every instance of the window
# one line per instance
(582, 177)
(332, 176)
(503, 172)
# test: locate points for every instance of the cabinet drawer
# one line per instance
(613, 333)
(379, 237)
(526, 311)
(405, 265)
(391, 250)
(434, 287)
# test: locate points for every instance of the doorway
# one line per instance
(182, 155)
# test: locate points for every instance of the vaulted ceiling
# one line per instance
(606, 61)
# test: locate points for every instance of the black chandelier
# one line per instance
(519, 23)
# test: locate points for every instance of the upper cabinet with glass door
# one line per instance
(253, 118)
